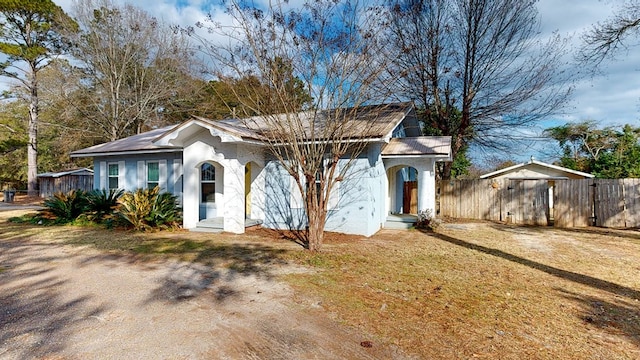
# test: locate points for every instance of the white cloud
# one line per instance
(612, 97)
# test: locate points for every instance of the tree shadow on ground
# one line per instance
(36, 317)
(633, 234)
(195, 266)
(564, 274)
(212, 268)
(621, 317)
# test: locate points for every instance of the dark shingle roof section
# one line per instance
(421, 145)
(137, 142)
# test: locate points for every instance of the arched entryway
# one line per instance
(211, 189)
(403, 190)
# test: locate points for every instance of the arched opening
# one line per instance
(403, 190)
(210, 189)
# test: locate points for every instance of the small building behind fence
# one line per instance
(64, 181)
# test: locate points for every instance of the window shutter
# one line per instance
(162, 168)
(122, 178)
(142, 175)
(296, 198)
(334, 196)
(103, 175)
(177, 178)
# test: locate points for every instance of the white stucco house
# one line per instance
(224, 176)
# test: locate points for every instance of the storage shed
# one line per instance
(64, 181)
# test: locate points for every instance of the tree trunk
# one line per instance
(315, 232)
(32, 147)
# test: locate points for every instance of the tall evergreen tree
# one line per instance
(30, 37)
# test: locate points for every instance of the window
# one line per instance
(153, 174)
(208, 183)
(113, 176)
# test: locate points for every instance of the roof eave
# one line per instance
(127, 152)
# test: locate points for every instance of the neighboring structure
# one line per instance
(223, 175)
(536, 170)
(64, 181)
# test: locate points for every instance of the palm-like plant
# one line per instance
(101, 204)
(65, 207)
(148, 208)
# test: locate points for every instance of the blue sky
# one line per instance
(610, 98)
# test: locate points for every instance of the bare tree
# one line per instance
(476, 68)
(604, 39)
(315, 67)
(133, 63)
(30, 36)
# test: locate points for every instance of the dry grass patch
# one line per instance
(487, 291)
(249, 254)
(473, 290)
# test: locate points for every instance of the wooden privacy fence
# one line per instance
(563, 203)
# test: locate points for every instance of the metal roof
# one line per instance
(370, 121)
(139, 142)
(81, 171)
(375, 122)
(421, 145)
(533, 162)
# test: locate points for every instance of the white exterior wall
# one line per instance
(230, 160)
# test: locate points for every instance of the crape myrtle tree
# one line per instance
(133, 66)
(29, 38)
(476, 69)
(316, 65)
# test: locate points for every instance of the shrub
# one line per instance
(101, 204)
(65, 207)
(145, 209)
(426, 220)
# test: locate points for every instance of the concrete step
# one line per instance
(216, 225)
(400, 221)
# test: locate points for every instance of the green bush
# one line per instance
(101, 204)
(145, 209)
(64, 208)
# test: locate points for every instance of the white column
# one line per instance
(234, 197)
(191, 184)
(427, 186)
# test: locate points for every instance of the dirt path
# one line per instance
(63, 302)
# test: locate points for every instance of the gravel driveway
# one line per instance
(64, 302)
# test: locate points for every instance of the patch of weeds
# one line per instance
(31, 218)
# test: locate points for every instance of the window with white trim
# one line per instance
(113, 176)
(153, 174)
(208, 183)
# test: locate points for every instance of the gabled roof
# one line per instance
(418, 146)
(80, 171)
(372, 122)
(136, 143)
(540, 165)
(365, 122)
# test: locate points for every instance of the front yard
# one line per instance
(471, 290)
